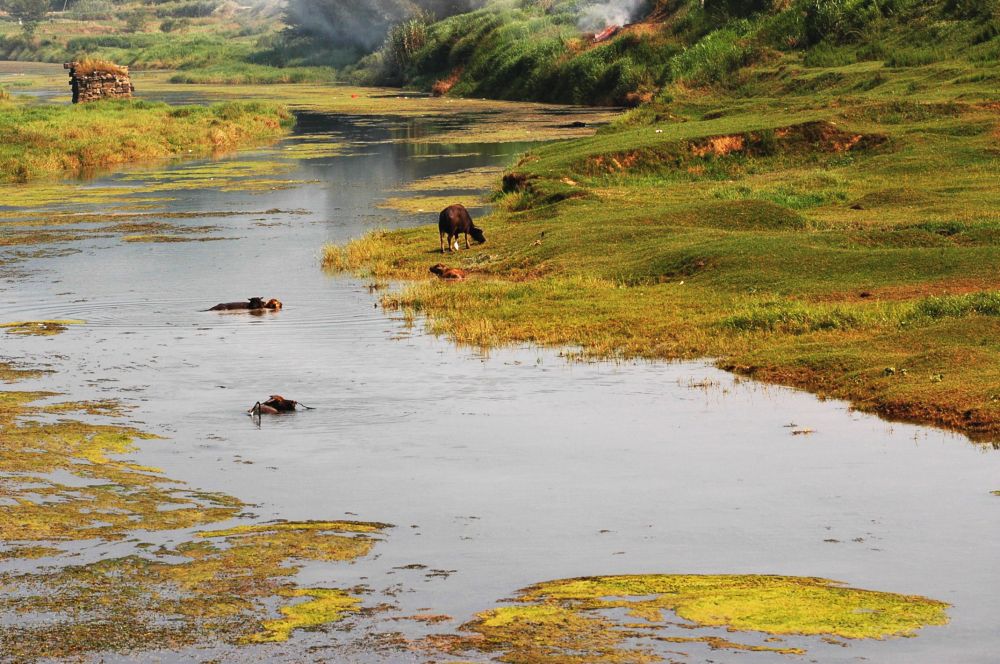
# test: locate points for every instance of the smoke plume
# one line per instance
(598, 16)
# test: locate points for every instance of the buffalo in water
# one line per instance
(252, 304)
(454, 221)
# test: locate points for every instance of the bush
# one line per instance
(402, 43)
(957, 306)
(92, 10)
(193, 9)
(716, 57)
(973, 9)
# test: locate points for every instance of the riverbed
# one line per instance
(498, 469)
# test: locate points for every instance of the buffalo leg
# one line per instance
(467, 241)
(441, 241)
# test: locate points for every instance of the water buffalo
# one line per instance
(450, 273)
(252, 304)
(455, 221)
(275, 404)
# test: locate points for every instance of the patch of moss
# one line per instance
(39, 328)
(572, 620)
(426, 204)
(152, 239)
(326, 606)
(29, 553)
(12, 374)
(108, 407)
(297, 526)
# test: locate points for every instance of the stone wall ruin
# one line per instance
(94, 80)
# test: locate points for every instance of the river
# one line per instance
(498, 470)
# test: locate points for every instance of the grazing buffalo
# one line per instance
(455, 221)
(450, 273)
(253, 304)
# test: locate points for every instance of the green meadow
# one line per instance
(46, 140)
(830, 227)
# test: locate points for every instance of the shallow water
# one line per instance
(501, 470)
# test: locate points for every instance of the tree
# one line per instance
(28, 13)
(362, 24)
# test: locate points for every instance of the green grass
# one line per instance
(204, 46)
(842, 237)
(39, 141)
(538, 51)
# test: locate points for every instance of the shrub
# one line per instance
(957, 306)
(402, 43)
(973, 9)
(716, 57)
(92, 10)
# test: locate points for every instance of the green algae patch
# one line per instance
(580, 619)
(39, 328)
(108, 407)
(10, 373)
(168, 239)
(326, 606)
(772, 604)
(426, 204)
(208, 587)
(469, 179)
(297, 526)
(215, 590)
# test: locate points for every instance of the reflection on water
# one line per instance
(499, 471)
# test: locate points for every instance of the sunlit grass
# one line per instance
(869, 273)
(46, 140)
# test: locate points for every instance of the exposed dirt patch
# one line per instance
(819, 137)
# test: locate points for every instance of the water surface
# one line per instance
(498, 470)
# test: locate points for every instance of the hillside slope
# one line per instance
(547, 51)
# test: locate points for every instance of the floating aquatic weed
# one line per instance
(575, 619)
(427, 203)
(170, 238)
(214, 586)
(10, 373)
(39, 328)
(470, 179)
(326, 606)
(315, 149)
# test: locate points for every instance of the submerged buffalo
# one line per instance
(454, 221)
(275, 404)
(252, 304)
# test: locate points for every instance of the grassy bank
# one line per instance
(46, 140)
(836, 230)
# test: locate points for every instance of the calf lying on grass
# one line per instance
(455, 221)
(451, 273)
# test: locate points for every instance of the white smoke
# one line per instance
(598, 16)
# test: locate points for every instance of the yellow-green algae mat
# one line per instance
(215, 586)
(38, 328)
(572, 620)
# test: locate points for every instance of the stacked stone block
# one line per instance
(98, 83)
